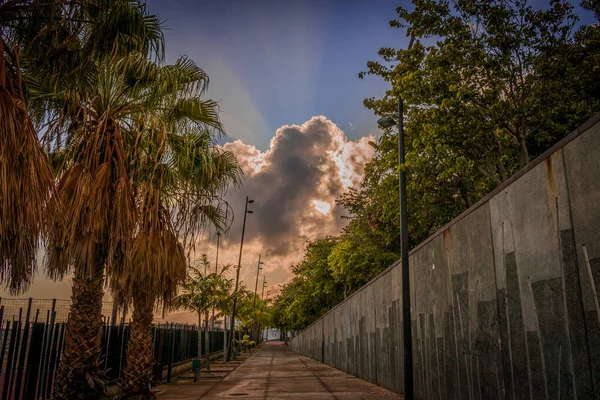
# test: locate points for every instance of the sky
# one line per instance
(285, 74)
(273, 63)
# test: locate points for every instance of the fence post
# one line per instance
(108, 332)
(34, 360)
(122, 345)
(7, 372)
(25, 339)
(12, 362)
(49, 371)
(170, 368)
(161, 346)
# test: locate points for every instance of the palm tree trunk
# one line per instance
(137, 376)
(83, 342)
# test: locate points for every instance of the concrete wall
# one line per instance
(504, 298)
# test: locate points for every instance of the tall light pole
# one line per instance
(388, 122)
(258, 268)
(216, 272)
(262, 296)
(217, 258)
(237, 281)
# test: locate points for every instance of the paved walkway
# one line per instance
(275, 372)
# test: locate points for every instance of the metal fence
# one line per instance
(31, 340)
(42, 310)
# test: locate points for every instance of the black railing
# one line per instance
(31, 341)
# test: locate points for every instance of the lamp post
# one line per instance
(258, 268)
(262, 296)
(237, 281)
(388, 122)
(216, 272)
(217, 258)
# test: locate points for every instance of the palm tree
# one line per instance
(201, 293)
(252, 315)
(179, 178)
(92, 237)
(50, 56)
(27, 181)
(92, 240)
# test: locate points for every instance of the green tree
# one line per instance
(486, 86)
(252, 314)
(45, 47)
(201, 293)
(313, 290)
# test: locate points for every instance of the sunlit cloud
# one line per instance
(321, 206)
(295, 183)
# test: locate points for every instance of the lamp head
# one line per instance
(250, 212)
(386, 122)
(250, 201)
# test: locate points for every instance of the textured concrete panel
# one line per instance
(504, 300)
(396, 328)
(381, 290)
(582, 165)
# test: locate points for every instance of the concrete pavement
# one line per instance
(275, 372)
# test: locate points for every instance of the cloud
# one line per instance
(294, 184)
(306, 168)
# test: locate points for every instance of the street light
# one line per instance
(216, 272)
(262, 296)
(237, 281)
(388, 122)
(258, 268)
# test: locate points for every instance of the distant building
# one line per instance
(271, 334)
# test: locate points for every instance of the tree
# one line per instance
(312, 291)
(92, 226)
(486, 86)
(252, 314)
(179, 177)
(202, 293)
(26, 176)
(53, 51)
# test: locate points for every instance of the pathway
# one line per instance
(275, 372)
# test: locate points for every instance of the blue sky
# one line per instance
(278, 62)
